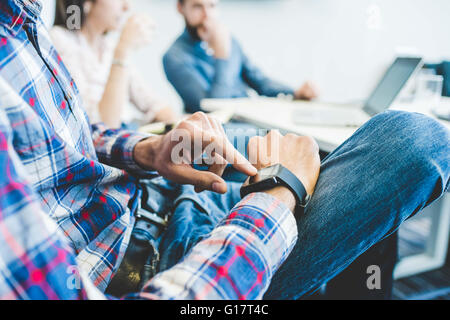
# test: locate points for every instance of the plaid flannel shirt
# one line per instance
(67, 198)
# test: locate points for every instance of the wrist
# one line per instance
(298, 96)
(121, 53)
(221, 48)
(145, 152)
(120, 63)
(221, 52)
(285, 195)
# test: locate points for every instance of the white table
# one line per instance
(277, 114)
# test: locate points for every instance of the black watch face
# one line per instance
(265, 174)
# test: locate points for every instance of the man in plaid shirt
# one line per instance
(70, 192)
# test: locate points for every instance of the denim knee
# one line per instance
(422, 142)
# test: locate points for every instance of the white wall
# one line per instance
(342, 45)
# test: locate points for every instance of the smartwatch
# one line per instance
(275, 176)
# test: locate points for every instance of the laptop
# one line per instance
(387, 90)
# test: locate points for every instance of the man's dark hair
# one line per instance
(61, 11)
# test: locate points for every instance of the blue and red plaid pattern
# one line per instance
(68, 191)
(238, 259)
(76, 170)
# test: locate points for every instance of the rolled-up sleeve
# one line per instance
(114, 147)
(237, 260)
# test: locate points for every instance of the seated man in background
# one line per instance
(100, 65)
(71, 199)
(207, 62)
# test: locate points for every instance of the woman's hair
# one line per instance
(61, 14)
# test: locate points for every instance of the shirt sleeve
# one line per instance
(191, 85)
(238, 259)
(114, 147)
(36, 261)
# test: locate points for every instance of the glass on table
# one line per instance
(429, 91)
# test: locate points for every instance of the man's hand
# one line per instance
(306, 92)
(174, 154)
(217, 37)
(298, 154)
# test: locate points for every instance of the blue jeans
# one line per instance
(389, 170)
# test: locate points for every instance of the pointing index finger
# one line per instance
(239, 162)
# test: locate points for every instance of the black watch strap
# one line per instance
(290, 181)
(282, 177)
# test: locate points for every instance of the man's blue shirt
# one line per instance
(196, 74)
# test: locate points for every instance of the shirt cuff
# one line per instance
(271, 221)
(128, 149)
(287, 91)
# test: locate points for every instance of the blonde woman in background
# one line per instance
(100, 65)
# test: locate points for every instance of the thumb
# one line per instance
(203, 180)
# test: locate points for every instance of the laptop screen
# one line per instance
(392, 83)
